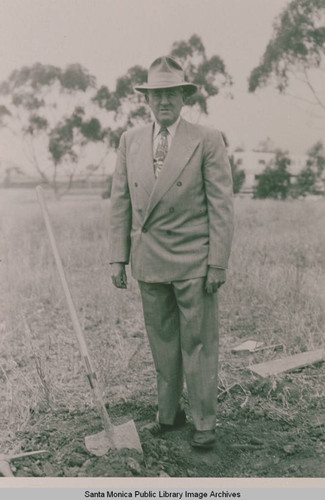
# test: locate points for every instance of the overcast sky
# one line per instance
(109, 36)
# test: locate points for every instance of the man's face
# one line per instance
(166, 104)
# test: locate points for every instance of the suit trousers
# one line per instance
(181, 320)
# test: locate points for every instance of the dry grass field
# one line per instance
(275, 294)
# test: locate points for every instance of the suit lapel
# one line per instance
(182, 148)
(143, 158)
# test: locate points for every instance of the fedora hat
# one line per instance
(166, 73)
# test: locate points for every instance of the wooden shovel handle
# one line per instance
(72, 309)
(74, 317)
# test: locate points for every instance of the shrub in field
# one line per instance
(107, 193)
(274, 182)
(310, 180)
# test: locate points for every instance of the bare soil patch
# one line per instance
(253, 440)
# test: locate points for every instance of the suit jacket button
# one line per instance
(178, 183)
(171, 210)
(136, 184)
(144, 229)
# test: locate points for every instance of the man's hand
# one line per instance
(215, 278)
(118, 275)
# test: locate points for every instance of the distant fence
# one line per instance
(99, 182)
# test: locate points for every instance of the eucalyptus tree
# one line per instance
(295, 54)
(47, 109)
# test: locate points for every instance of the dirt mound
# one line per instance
(253, 440)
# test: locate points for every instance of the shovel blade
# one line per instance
(5, 470)
(124, 436)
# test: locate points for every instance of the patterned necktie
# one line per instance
(161, 151)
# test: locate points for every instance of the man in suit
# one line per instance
(172, 217)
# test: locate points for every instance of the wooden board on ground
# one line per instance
(277, 366)
(252, 346)
(249, 345)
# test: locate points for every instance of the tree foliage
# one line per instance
(128, 106)
(60, 112)
(274, 182)
(316, 158)
(46, 106)
(208, 73)
(26, 85)
(297, 45)
(311, 179)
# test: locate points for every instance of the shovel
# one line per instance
(112, 437)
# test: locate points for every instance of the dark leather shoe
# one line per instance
(156, 428)
(203, 439)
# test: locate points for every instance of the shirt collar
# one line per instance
(171, 129)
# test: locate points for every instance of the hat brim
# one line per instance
(189, 88)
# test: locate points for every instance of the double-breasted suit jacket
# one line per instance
(172, 228)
